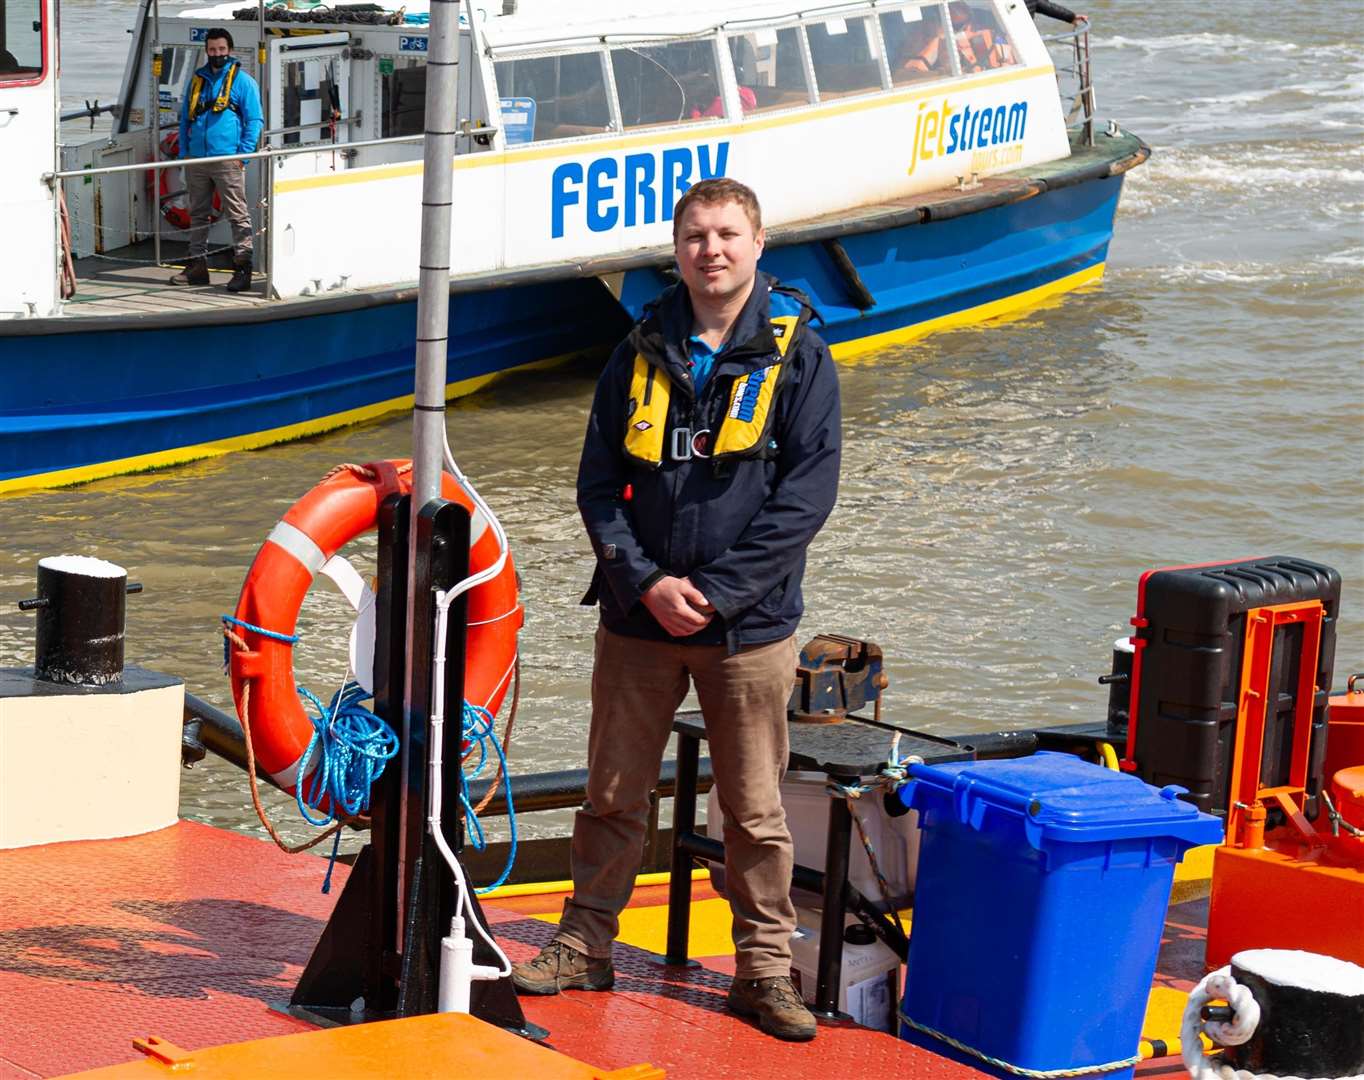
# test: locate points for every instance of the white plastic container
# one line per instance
(869, 981)
(895, 840)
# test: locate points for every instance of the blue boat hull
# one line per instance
(83, 404)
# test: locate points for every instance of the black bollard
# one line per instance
(1311, 1014)
(81, 604)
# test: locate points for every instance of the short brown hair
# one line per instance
(717, 192)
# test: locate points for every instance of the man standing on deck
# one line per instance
(711, 460)
(220, 115)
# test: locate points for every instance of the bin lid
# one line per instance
(1061, 799)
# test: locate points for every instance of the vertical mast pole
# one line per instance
(433, 299)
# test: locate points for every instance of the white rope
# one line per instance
(1019, 1070)
(1220, 986)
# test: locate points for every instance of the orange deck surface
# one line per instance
(192, 933)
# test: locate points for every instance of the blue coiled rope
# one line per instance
(477, 727)
(355, 745)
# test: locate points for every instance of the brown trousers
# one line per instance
(228, 178)
(637, 686)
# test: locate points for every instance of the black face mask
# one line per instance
(216, 63)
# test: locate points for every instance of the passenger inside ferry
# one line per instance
(917, 46)
(980, 42)
(769, 69)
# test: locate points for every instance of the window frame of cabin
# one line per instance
(954, 58)
(722, 86)
(612, 108)
(13, 79)
(802, 44)
(874, 35)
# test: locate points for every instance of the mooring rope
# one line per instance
(1019, 1070)
(1220, 986)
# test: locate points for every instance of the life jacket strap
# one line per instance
(221, 102)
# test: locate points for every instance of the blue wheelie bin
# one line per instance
(1041, 894)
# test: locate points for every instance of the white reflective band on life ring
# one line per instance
(298, 544)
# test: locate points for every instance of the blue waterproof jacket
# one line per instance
(234, 130)
(738, 529)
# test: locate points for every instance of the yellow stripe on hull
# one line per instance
(996, 309)
(181, 455)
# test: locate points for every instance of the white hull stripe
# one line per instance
(300, 545)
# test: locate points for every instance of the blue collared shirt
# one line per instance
(702, 358)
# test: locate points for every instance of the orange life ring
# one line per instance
(336, 511)
(172, 201)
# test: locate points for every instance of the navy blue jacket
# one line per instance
(738, 528)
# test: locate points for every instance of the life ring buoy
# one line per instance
(173, 201)
(345, 504)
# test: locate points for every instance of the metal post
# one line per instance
(266, 173)
(154, 128)
(684, 822)
(835, 904)
(269, 198)
(433, 298)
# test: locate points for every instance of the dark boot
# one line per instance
(560, 966)
(194, 273)
(775, 1005)
(241, 274)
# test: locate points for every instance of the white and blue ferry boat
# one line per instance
(917, 166)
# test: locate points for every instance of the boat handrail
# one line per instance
(297, 128)
(51, 178)
(1078, 38)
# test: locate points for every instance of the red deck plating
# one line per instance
(190, 933)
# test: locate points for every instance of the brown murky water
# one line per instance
(1003, 488)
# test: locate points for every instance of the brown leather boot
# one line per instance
(194, 273)
(775, 1005)
(241, 275)
(562, 967)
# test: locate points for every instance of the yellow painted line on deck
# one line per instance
(545, 888)
(647, 928)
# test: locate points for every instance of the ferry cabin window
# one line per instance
(667, 84)
(846, 57)
(566, 94)
(402, 88)
(770, 69)
(21, 40)
(982, 43)
(916, 44)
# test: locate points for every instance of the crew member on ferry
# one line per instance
(220, 114)
(711, 461)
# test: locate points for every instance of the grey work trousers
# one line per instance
(228, 179)
(637, 686)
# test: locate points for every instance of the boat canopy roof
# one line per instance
(553, 24)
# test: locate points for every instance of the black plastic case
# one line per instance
(1190, 635)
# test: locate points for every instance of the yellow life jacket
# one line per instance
(748, 418)
(223, 100)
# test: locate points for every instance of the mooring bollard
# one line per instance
(1290, 1013)
(81, 604)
